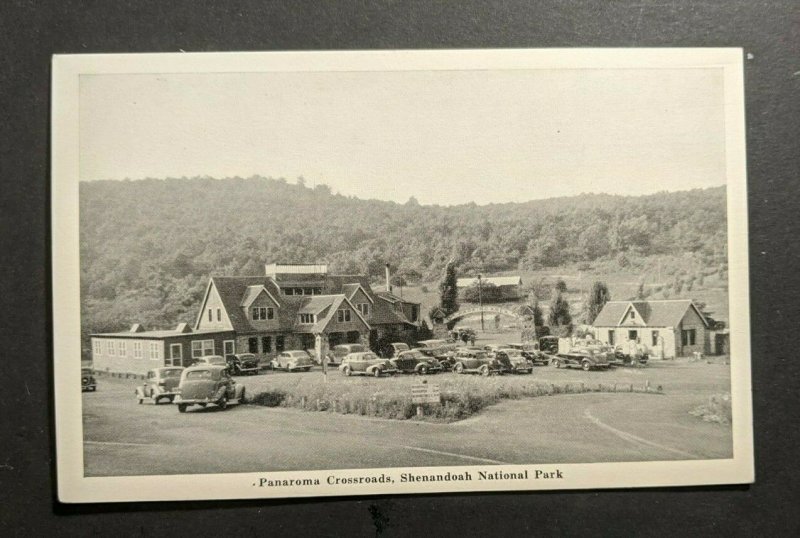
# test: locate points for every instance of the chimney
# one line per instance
(388, 276)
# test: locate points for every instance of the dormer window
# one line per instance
(263, 313)
(307, 319)
(363, 308)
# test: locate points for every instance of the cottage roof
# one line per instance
(496, 280)
(667, 313)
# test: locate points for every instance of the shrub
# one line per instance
(717, 409)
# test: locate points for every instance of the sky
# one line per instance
(444, 137)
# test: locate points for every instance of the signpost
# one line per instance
(422, 393)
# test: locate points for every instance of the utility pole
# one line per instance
(480, 298)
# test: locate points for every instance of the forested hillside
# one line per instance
(148, 246)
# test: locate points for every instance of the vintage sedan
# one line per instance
(395, 348)
(531, 352)
(585, 359)
(243, 364)
(442, 350)
(477, 361)
(293, 361)
(88, 382)
(160, 383)
(207, 384)
(415, 362)
(339, 352)
(519, 364)
(210, 360)
(366, 363)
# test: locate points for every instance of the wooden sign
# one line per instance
(425, 393)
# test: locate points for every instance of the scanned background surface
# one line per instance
(763, 31)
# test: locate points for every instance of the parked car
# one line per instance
(442, 350)
(243, 364)
(393, 349)
(532, 353)
(519, 364)
(88, 382)
(339, 352)
(160, 383)
(415, 362)
(622, 358)
(207, 384)
(366, 363)
(548, 344)
(477, 361)
(586, 359)
(210, 360)
(292, 361)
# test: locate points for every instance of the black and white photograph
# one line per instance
(349, 273)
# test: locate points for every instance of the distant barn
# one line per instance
(510, 286)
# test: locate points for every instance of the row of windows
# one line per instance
(302, 291)
(343, 315)
(113, 348)
(262, 312)
(266, 344)
(308, 318)
(211, 316)
(364, 309)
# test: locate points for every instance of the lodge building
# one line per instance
(287, 308)
(667, 328)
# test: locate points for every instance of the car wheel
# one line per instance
(155, 398)
(423, 370)
(347, 371)
(140, 400)
(241, 396)
(556, 363)
(376, 372)
(181, 408)
(223, 402)
(459, 369)
(484, 370)
(586, 365)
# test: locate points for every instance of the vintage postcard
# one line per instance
(391, 272)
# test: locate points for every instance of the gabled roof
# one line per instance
(496, 280)
(233, 289)
(337, 302)
(254, 291)
(350, 290)
(668, 313)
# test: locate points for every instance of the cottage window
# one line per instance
(363, 308)
(270, 313)
(121, 348)
(307, 318)
(154, 351)
(279, 343)
(655, 338)
(688, 337)
(98, 347)
(219, 314)
(633, 314)
(137, 350)
(252, 345)
(209, 315)
(202, 347)
(266, 344)
(611, 337)
(343, 315)
(263, 312)
(111, 348)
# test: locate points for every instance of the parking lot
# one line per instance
(123, 438)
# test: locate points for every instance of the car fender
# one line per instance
(371, 369)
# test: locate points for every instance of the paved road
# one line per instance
(123, 438)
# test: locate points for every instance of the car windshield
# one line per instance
(214, 360)
(199, 374)
(411, 355)
(247, 357)
(172, 372)
(369, 357)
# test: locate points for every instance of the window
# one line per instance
(137, 350)
(279, 343)
(688, 337)
(414, 313)
(154, 351)
(655, 338)
(122, 348)
(363, 308)
(209, 315)
(343, 315)
(219, 314)
(611, 337)
(111, 347)
(633, 335)
(98, 347)
(266, 344)
(176, 351)
(202, 347)
(262, 312)
(252, 345)
(228, 347)
(307, 318)
(633, 314)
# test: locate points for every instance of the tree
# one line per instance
(538, 315)
(559, 312)
(598, 297)
(448, 290)
(640, 292)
